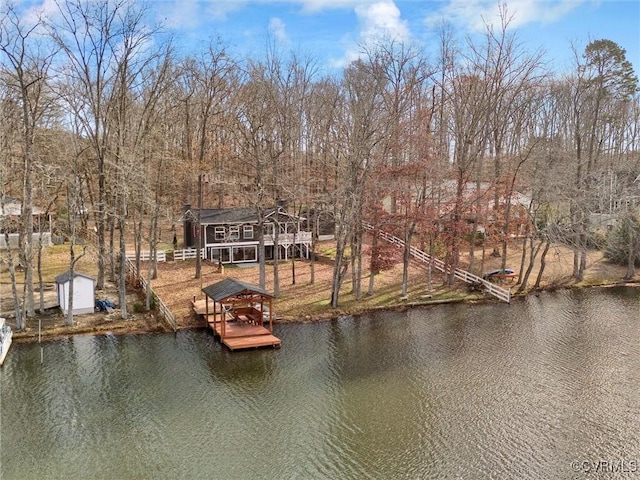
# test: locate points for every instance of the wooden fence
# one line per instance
(168, 316)
(162, 308)
(501, 293)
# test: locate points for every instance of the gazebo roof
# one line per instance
(230, 287)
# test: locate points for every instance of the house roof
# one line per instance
(226, 215)
(235, 215)
(66, 276)
(230, 287)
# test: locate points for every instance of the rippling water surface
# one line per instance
(489, 391)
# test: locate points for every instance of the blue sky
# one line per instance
(332, 30)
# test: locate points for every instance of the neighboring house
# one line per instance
(231, 235)
(607, 219)
(10, 218)
(617, 193)
(478, 200)
(83, 292)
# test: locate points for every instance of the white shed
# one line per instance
(83, 292)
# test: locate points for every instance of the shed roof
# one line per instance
(230, 287)
(66, 276)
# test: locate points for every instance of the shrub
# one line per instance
(625, 234)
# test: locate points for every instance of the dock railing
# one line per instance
(497, 291)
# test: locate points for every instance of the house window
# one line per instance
(244, 254)
(268, 229)
(234, 233)
(222, 255)
(247, 232)
(219, 233)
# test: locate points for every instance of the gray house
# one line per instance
(231, 235)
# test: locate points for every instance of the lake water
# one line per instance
(547, 387)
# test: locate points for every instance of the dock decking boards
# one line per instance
(238, 343)
(239, 335)
(234, 330)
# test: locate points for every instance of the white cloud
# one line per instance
(192, 14)
(377, 21)
(185, 14)
(219, 10)
(474, 14)
(380, 20)
(278, 30)
(311, 6)
(35, 11)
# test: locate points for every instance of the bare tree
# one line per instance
(603, 75)
(28, 61)
(207, 79)
(91, 36)
(363, 84)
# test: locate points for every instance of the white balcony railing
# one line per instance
(288, 238)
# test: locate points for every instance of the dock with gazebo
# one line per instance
(235, 311)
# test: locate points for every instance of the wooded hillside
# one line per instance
(103, 125)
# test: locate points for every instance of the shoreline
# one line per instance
(150, 324)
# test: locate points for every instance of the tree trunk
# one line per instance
(112, 262)
(356, 262)
(406, 258)
(152, 255)
(631, 255)
(199, 230)
(543, 264)
(122, 278)
(533, 253)
(72, 269)
(276, 255)
(373, 271)
(20, 322)
(261, 250)
(339, 268)
(314, 237)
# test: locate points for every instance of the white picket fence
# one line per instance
(185, 254)
(188, 254)
(145, 256)
(501, 293)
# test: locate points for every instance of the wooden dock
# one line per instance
(235, 334)
(239, 335)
